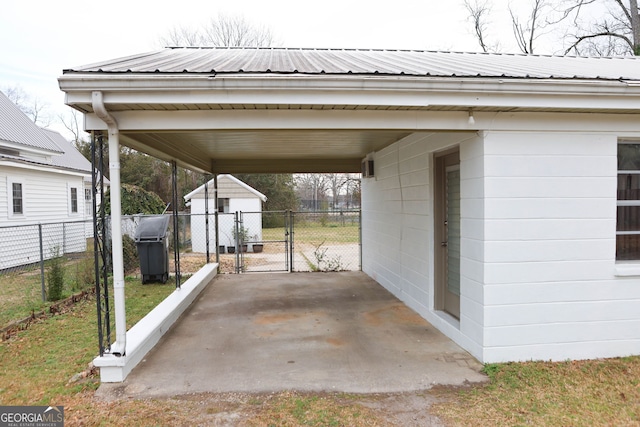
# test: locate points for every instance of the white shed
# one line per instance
(234, 196)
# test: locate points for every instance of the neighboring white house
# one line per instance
(233, 196)
(501, 193)
(44, 182)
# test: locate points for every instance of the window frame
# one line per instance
(14, 198)
(625, 202)
(73, 209)
(10, 198)
(223, 203)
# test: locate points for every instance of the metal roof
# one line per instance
(17, 128)
(367, 62)
(71, 157)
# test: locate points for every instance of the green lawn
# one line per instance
(36, 365)
(21, 291)
(315, 233)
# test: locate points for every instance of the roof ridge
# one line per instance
(452, 52)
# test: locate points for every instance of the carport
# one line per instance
(242, 111)
(489, 181)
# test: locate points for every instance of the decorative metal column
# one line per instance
(176, 224)
(101, 256)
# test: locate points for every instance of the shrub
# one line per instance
(85, 273)
(129, 254)
(55, 279)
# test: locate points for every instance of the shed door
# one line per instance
(447, 231)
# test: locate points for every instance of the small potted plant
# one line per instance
(240, 237)
(257, 246)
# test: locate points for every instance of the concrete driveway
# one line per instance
(302, 331)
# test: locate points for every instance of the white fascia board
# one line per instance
(40, 168)
(159, 121)
(357, 90)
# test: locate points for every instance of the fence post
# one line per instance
(64, 239)
(44, 294)
(291, 219)
(206, 217)
(360, 236)
(237, 230)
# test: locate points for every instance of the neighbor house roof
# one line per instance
(71, 157)
(224, 190)
(367, 62)
(18, 131)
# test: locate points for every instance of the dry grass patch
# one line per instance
(294, 409)
(572, 393)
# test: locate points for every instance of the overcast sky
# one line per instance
(38, 39)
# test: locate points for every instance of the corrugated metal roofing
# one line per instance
(16, 127)
(368, 62)
(72, 158)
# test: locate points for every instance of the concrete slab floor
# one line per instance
(302, 331)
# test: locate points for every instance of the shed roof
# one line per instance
(222, 180)
(216, 60)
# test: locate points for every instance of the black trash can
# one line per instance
(153, 248)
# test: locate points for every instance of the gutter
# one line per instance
(119, 347)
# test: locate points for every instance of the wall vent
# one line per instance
(367, 168)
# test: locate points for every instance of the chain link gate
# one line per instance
(295, 241)
(261, 241)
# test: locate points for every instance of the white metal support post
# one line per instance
(119, 347)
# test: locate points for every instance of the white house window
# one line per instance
(74, 200)
(223, 205)
(88, 207)
(628, 209)
(18, 205)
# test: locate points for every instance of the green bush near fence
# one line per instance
(55, 279)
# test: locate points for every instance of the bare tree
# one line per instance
(32, 107)
(222, 30)
(603, 27)
(71, 121)
(527, 31)
(479, 11)
(311, 189)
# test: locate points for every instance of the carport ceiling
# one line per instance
(227, 110)
(273, 151)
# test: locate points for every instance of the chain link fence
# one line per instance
(247, 242)
(326, 241)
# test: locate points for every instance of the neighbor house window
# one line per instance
(628, 209)
(88, 206)
(18, 204)
(74, 200)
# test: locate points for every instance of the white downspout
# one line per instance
(119, 347)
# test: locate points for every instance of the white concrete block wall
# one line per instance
(550, 289)
(397, 228)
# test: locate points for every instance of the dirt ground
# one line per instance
(245, 409)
